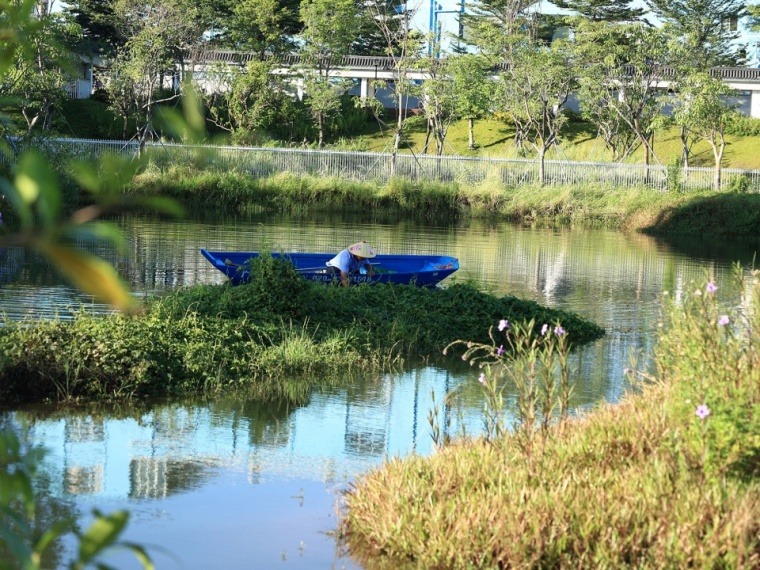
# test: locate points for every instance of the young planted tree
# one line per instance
(248, 101)
(158, 32)
(473, 89)
(620, 69)
(458, 87)
(702, 111)
(533, 92)
(330, 27)
(402, 45)
(438, 100)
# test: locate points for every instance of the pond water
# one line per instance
(241, 484)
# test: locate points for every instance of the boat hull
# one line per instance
(420, 270)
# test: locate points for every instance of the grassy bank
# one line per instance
(579, 140)
(721, 214)
(268, 338)
(666, 479)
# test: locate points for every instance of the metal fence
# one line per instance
(380, 167)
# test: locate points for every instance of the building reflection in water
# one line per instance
(83, 480)
(159, 477)
(173, 448)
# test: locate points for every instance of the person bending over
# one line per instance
(351, 260)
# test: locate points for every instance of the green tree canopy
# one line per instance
(618, 75)
(262, 26)
(603, 10)
(533, 92)
(704, 26)
(498, 27)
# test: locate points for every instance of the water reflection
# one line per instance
(172, 448)
(271, 470)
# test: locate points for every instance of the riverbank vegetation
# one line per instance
(264, 338)
(718, 214)
(667, 478)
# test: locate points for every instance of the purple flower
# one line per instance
(482, 379)
(500, 350)
(503, 324)
(723, 320)
(711, 287)
(559, 331)
(702, 411)
(544, 329)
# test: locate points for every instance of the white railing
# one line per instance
(263, 161)
(79, 89)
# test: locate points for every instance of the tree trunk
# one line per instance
(684, 148)
(428, 131)
(542, 166)
(471, 133)
(399, 127)
(718, 155)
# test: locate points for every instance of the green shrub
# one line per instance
(744, 126)
(739, 184)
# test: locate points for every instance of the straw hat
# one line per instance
(362, 249)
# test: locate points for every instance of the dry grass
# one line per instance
(646, 483)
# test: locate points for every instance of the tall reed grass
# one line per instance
(668, 478)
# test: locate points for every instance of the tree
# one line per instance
(704, 26)
(603, 10)
(534, 90)
(330, 27)
(499, 27)
(473, 89)
(438, 99)
(248, 101)
(41, 72)
(620, 67)
(702, 111)
(402, 45)
(370, 40)
(101, 34)
(262, 26)
(158, 32)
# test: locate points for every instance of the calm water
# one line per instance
(244, 485)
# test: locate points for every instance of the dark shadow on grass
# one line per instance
(579, 131)
(497, 142)
(724, 225)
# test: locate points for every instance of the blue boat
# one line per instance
(421, 270)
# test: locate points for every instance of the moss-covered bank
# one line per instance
(259, 337)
